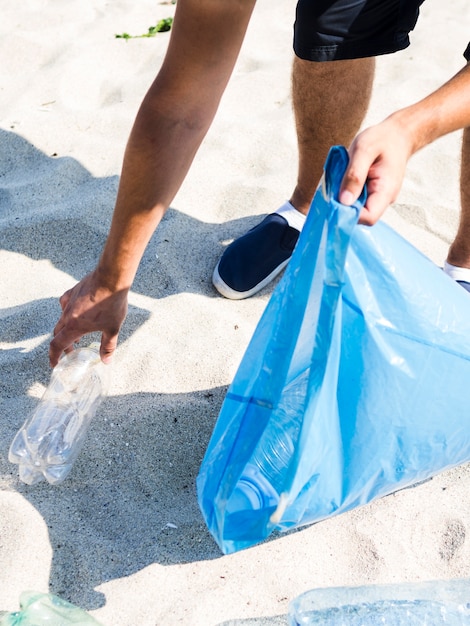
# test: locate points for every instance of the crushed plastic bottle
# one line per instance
(38, 609)
(51, 438)
(436, 603)
(388, 613)
(262, 480)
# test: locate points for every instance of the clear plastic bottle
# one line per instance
(263, 478)
(46, 608)
(50, 440)
(404, 604)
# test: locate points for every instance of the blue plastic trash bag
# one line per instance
(353, 386)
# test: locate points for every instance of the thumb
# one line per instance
(108, 347)
(352, 184)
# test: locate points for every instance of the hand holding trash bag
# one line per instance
(379, 154)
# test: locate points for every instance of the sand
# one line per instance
(123, 537)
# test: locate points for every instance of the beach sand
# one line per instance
(123, 537)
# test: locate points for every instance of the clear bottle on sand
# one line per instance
(46, 608)
(48, 443)
(428, 603)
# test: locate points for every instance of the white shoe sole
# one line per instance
(232, 294)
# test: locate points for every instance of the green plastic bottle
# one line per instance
(46, 609)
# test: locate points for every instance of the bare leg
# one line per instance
(459, 252)
(330, 100)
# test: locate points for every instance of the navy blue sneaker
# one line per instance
(252, 261)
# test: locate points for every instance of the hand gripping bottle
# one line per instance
(50, 440)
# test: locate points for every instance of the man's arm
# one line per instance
(171, 123)
(379, 154)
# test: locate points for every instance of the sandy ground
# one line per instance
(123, 537)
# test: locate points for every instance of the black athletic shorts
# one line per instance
(327, 30)
(467, 53)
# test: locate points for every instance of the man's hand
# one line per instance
(86, 308)
(377, 158)
(171, 123)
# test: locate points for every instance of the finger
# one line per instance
(54, 354)
(64, 299)
(354, 179)
(373, 210)
(108, 346)
(58, 327)
(62, 342)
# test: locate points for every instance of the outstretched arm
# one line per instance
(379, 154)
(171, 123)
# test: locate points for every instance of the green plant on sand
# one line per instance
(162, 26)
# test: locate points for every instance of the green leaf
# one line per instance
(162, 26)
